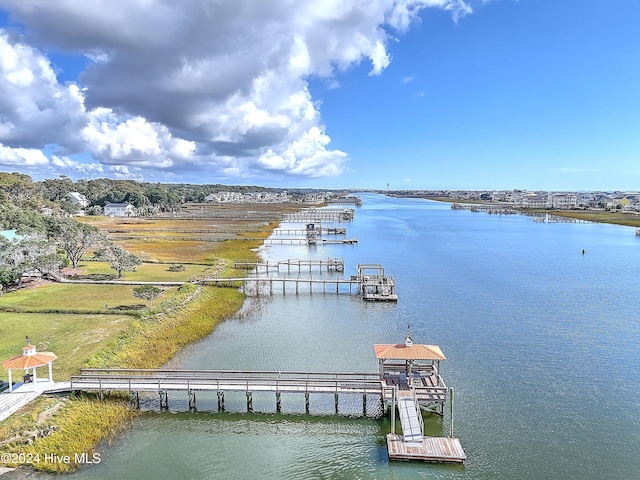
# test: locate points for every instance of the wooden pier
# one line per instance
(329, 265)
(280, 283)
(299, 231)
(374, 286)
(407, 383)
(347, 200)
(485, 207)
(319, 215)
(412, 383)
(224, 381)
(306, 241)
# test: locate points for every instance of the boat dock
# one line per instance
(329, 265)
(374, 286)
(221, 382)
(319, 215)
(408, 382)
(300, 231)
(307, 241)
(346, 200)
(411, 376)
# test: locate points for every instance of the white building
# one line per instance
(78, 199)
(119, 210)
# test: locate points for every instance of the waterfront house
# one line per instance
(119, 210)
(78, 199)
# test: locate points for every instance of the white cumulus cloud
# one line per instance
(197, 86)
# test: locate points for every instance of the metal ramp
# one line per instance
(411, 420)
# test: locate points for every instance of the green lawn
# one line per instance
(76, 297)
(73, 338)
(147, 272)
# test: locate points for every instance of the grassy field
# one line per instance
(76, 298)
(146, 272)
(73, 338)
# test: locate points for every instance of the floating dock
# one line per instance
(430, 449)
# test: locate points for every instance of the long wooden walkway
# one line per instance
(226, 380)
(329, 265)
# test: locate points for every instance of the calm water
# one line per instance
(542, 345)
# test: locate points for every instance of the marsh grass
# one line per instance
(81, 424)
(616, 218)
(152, 341)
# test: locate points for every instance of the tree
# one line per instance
(74, 237)
(33, 252)
(94, 210)
(118, 258)
(147, 292)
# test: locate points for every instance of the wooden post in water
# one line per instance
(364, 404)
(220, 401)
(278, 403)
(306, 402)
(393, 410)
(451, 400)
(164, 399)
(249, 402)
(336, 402)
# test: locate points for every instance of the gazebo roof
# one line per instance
(29, 359)
(404, 352)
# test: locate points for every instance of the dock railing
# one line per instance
(152, 380)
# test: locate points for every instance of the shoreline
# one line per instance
(624, 219)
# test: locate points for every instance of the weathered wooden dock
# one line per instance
(300, 231)
(348, 200)
(374, 284)
(408, 382)
(318, 215)
(221, 381)
(273, 284)
(485, 207)
(429, 449)
(306, 241)
(329, 265)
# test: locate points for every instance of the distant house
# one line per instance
(119, 210)
(78, 199)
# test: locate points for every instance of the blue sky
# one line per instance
(420, 94)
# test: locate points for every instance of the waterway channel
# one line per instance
(541, 341)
